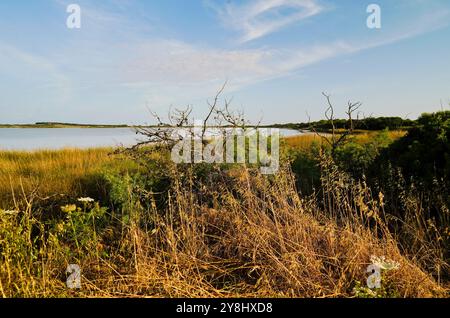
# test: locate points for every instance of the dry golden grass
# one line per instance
(231, 233)
(305, 141)
(262, 240)
(365, 137)
(50, 173)
(235, 234)
(302, 142)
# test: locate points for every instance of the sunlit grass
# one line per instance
(305, 141)
(218, 233)
(50, 172)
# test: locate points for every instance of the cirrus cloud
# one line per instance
(258, 18)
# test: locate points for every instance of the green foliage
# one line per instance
(80, 225)
(424, 153)
(30, 245)
(361, 291)
(414, 175)
(356, 157)
(306, 167)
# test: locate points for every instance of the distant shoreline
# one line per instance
(58, 125)
(63, 125)
(366, 124)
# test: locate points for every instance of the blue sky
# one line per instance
(278, 56)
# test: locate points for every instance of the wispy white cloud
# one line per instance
(17, 62)
(258, 18)
(178, 69)
(167, 70)
(140, 61)
(166, 61)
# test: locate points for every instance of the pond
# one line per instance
(58, 138)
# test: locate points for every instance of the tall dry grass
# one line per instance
(228, 233)
(68, 173)
(256, 237)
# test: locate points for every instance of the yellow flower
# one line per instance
(69, 208)
(60, 227)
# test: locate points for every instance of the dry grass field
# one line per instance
(224, 233)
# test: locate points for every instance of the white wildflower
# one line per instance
(86, 200)
(383, 263)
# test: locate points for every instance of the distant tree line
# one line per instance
(74, 124)
(371, 123)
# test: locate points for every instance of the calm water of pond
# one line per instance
(58, 138)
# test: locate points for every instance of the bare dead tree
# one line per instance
(226, 117)
(165, 133)
(162, 133)
(337, 139)
(212, 109)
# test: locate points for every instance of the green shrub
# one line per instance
(306, 167)
(356, 157)
(424, 153)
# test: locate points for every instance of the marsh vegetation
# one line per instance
(166, 230)
(138, 224)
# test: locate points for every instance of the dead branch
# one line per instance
(336, 139)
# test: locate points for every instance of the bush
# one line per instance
(356, 157)
(306, 167)
(424, 153)
(414, 175)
